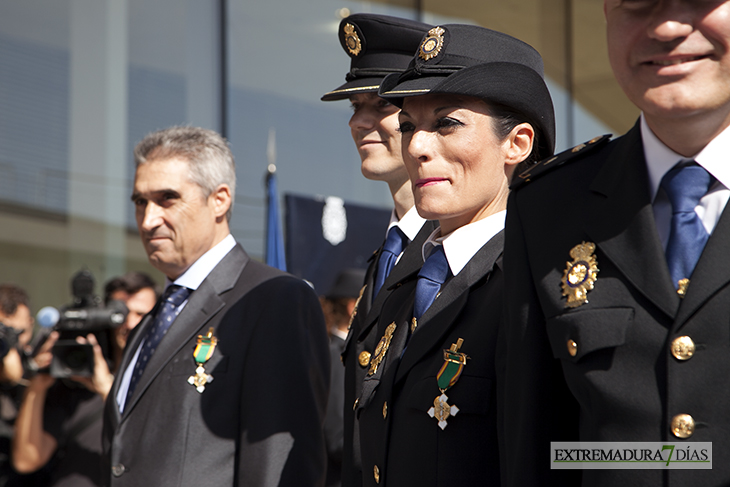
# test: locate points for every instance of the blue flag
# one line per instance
(274, 236)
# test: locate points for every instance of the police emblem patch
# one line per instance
(580, 275)
(431, 45)
(352, 41)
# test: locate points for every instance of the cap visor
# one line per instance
(362, 85)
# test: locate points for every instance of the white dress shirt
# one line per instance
(191, 279)
(461, 244)
(660, 159)
(410, 224)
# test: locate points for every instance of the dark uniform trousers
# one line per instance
(605, 371)
(400, 443)
(362, 339)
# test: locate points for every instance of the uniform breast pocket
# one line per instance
(576, 334)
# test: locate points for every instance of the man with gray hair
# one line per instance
(225, 381)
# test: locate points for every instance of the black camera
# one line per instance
(86, 314)
(8, 339)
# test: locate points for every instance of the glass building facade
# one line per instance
(81, 81)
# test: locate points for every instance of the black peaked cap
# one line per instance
(474, 61)
(378, 45)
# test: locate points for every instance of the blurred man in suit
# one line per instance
(225, 381)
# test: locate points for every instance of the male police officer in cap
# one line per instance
(378, 45)
(617, 271)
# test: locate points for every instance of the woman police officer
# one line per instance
(474, 107)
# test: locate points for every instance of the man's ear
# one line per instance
(221, 198)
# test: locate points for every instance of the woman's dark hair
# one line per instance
(507, 118)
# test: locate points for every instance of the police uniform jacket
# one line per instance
(259, 423)
(361, 341)
(400, 443)
(609, 369)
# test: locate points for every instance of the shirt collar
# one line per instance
(660, 158)
(464, 242)
(410, 224)
(196, 273)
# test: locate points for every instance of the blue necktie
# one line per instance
(393, 246)
(685, 186)
(432, 275)
(170, 301)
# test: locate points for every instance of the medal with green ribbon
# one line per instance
(448, 375)
(203, 351)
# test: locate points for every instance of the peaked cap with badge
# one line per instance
(469, 60)
(378, 45)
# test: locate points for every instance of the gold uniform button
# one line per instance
(376, 474)
(364, 358)
(572, 348)
(385, 409)
(683, 348)
(683, 426)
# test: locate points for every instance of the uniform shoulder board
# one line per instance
(542, 167)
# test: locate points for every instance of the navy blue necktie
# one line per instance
(685, 186)
(393, 246)
(170, 301)
(432, 275)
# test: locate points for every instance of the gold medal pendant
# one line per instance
(200, 379)
(448, 375)
(203, 351)
(441, 410)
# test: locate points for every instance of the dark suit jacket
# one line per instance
(259, 423)
(362, 338)
(333, 422)
(622, 383)
(397, 435)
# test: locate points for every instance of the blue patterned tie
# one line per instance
(393, 246)
(685, 186)
(170, 301)
(432, 275)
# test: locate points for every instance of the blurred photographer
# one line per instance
(58, 428)
(16, 329)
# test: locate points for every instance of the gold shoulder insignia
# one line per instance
(570, 155)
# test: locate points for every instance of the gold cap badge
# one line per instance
(352, 41)
(580, 275)
(431, 45)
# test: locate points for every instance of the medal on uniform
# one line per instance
(448, 375)
(580, 275)
(203, 351)
(357, 305)
(382, 348)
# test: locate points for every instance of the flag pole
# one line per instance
(274, 236)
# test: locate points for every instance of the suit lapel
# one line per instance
(441, 316)
(712, 271)
(203, 304)
(621, 223)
